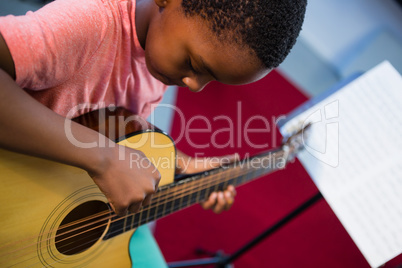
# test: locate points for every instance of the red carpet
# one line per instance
(314, 239)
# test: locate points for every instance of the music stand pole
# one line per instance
(224, 261)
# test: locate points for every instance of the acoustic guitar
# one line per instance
(53, 215)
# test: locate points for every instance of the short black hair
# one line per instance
(269, 27)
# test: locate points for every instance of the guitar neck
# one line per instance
(196, 188)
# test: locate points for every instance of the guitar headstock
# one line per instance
(294, 143)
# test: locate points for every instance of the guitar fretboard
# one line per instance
(194, 189)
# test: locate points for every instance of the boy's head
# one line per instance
(191, 42)
(268, 27)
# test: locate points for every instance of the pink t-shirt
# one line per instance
(82, 52)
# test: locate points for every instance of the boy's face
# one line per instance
(183, 51)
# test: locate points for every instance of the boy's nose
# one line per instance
(196, 83)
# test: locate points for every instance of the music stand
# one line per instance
(223, 261)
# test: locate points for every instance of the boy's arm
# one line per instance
(21, 116)
(6, 61)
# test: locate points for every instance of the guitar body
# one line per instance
(38, 196)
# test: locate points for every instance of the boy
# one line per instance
(118, 52)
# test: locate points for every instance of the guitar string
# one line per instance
(97, 239)
(147, 209)
(113, 232)
(269, 154)
(84, 232)
(181, 207)
(223, 171)
(198, 181)
(80, 221)
(167, 193)
(156, 195)
(84, 243)
(92, 241)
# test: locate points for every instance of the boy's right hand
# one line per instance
(128, 186)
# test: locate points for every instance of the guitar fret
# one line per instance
(197, 185)
(238, 180)
(231, 181)
(193, 200)
(226, 183)
(147, 217)
(185, 199)
(135, 222)
(252, 176)
(124, 224)
(192, 196)
(158, 212)
(215, 187)
(152, 213)
(128, 223)
(141, 216)
(208, 187)
(176, 204)
(203, 194)
(157, 205)
(169, 207)
(181, 202)
(197, 199)
(178, 207)
(164, 209)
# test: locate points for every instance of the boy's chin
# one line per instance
(163, 78)
(168, 81)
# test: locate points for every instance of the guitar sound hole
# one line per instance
(82, 227)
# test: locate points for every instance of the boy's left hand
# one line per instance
(217, 201)
(220, 201)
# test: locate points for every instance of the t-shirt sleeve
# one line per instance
(48, 46)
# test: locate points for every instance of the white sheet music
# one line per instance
(354, 155)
